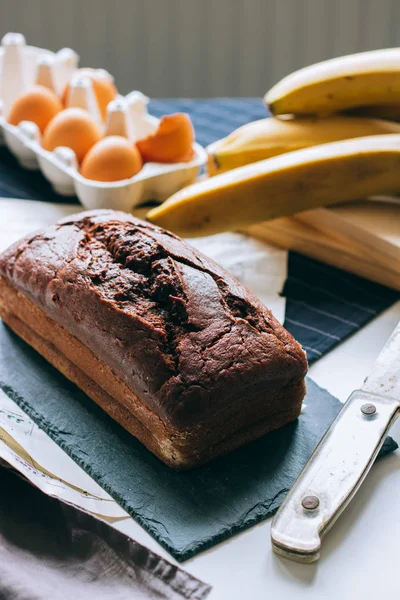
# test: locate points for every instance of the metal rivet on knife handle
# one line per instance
(368, 409)
(310, 502)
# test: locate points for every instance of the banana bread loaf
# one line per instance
(162, 338)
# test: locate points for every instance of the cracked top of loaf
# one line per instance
(183, 334)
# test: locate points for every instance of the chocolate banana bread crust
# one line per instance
(195, 350)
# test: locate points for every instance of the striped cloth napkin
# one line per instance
(324, 305)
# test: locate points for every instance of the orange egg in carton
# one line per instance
(88, 140)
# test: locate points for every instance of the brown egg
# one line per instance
(103, 87)
(171, 142)
(74, 128)
(112, 159)
(38, 104)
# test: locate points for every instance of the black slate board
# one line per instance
(186, 512)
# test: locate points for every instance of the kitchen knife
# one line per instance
(341, 461)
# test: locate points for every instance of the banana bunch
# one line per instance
(327, 143)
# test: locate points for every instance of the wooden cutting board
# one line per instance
(361, 237)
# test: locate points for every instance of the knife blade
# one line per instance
(341, 461)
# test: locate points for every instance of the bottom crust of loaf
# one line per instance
(179, 449)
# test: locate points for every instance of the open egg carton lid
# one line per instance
(22, 66)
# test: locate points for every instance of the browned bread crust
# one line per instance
(166, 341)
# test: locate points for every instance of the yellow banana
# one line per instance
(281, 186)
(272, 136)
(332, 86)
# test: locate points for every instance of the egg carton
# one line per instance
(22, 66)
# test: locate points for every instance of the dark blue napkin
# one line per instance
(324, 305)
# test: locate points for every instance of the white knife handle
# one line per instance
(332, 475)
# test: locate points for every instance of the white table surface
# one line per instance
(360, 554)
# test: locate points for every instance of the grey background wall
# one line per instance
(203, 47)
